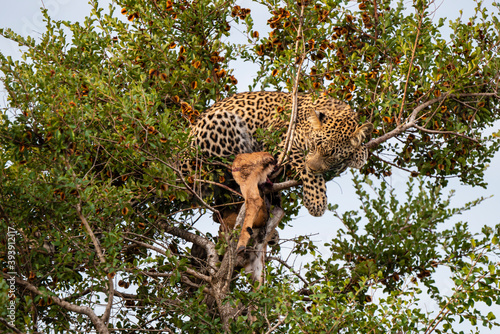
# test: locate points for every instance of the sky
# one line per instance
(25, 18)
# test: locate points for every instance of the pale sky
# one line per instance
(24, 17)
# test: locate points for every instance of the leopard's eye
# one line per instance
(333, 151)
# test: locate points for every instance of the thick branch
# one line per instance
(241, 217)
(277, 214)
(219, 185)
(283, 185)
(98, 323)
(9, 326)
(212, 257)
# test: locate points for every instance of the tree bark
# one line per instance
(97, 321)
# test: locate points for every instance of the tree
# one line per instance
(97, 123)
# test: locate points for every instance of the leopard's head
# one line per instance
(335, 142)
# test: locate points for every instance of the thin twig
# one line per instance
(444, 132)
(289, 267)
(279, 323)
(393, 164)
(410, 68)
(162, 252)
(445, 310)
(293, 117)
(107, 311)
(181, 176)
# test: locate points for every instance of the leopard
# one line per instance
(327, 139)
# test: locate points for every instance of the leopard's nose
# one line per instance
(314, 169)
(314, 166)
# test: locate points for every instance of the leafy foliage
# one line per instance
(97, 124)
(393, 66)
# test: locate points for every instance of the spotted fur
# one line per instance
(328, 138)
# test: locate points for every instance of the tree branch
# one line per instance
(188, 188)
(412, 120)
(397, 131)
(394, 165)
(293, 117)
(9, 326)
(162, 252)
(219, 185)
(91, 234)
(98, 322)
(163, 301)
(97, 246)
(78, 295)
(444, 132)
(289, 267)
(133, 330)
(111, 287)
(279, 323)
(410, 68)
(212, 256)
(283, 185)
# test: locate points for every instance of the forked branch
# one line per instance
(412, 120)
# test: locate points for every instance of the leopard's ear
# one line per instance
(315, 120)
(361, 133)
